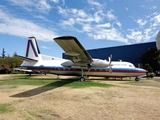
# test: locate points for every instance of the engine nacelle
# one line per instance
(98, 63)
(67, 63)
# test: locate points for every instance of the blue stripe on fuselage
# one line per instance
(127, 70)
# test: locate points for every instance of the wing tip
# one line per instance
(64, 38)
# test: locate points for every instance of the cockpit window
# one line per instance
(130, 65)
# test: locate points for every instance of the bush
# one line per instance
(150, 75)
(16, 72)
(148, 68)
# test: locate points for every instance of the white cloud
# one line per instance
(153, 7)
(58, 1)
(126, 8)
(141, 22)
(105, 25)
(55, 1)
(80, 16)
(44, 47)
(94, 2)
(62, 11)
(147, 33)
(79, 13)
(23, 28)
(146, 30)
(69, 22)
(21, 2)
(43, 6)
(141, 36)
(110, 15)
(156, 20)
(142, 6)
(107, 34)
(135, 35)
(87, 28)
(30, 5)
(118, 23)
(93, 25)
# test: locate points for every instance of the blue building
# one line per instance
(129, 53)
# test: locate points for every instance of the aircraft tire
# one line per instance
(136, 79)
(82, 79)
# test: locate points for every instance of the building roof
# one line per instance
(130, 53)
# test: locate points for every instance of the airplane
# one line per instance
(80, 63)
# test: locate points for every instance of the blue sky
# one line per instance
(95, 23)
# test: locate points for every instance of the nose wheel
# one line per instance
(82, 79)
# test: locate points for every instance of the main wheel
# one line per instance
(136, 79)
(82, 79)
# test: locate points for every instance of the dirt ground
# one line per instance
(119, 102)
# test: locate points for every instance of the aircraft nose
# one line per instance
(142, 70)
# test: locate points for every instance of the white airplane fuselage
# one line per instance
(99, 67)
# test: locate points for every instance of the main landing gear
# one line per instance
(83, 78)
(137, 79)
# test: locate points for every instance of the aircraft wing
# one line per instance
(74, 50)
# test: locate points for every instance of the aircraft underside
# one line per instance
(93, 72)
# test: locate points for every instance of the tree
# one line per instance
(9, 62)
(15, 54)
(148, 68)
(3, 53)
(6, 69)
(152, 58)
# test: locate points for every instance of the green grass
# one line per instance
(5, 108)
(85, 84)
(49, 82)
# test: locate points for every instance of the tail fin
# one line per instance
(32, 50)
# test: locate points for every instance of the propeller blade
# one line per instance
(110, 58)
(110, 69)
(110, 65)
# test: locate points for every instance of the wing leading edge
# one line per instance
(73, 49)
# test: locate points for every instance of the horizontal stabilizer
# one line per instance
(27, 59)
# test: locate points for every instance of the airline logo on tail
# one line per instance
(32, 49)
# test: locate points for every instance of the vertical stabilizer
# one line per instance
(32, 50)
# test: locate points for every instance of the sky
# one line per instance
(95, 23)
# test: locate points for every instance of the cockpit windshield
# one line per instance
(131, 65)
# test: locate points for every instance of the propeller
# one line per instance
(110, 65)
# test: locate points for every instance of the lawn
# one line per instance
(16, 80)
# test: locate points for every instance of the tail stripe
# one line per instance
(37, 47)
(30, 43)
